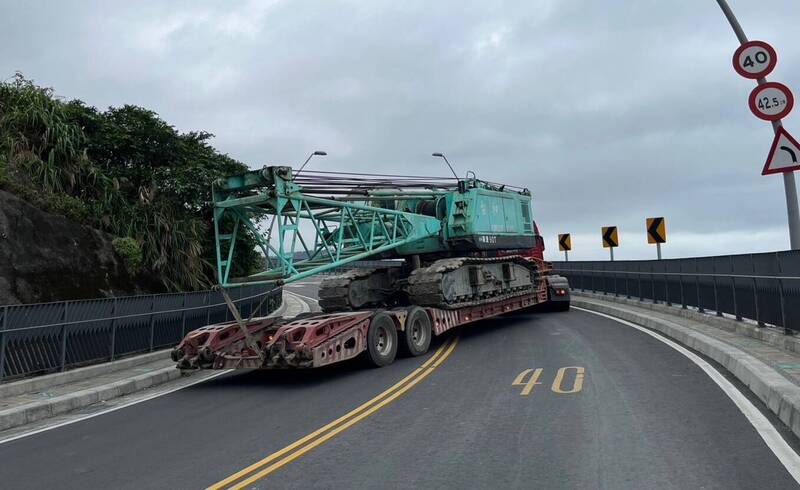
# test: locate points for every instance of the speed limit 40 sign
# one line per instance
(755, 59)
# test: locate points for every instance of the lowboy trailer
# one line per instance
(317, 339)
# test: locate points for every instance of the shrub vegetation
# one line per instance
(123, 170)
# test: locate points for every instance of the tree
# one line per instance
(131, 173)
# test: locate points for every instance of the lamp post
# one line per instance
(441, 155)
(316, 153)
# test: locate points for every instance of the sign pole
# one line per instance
(658, 249)
(565, 244)
(789, 184)
(611, 251)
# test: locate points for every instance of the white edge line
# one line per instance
(303, 296)
(785, 454)
(111, 409)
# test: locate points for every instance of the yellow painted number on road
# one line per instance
(577, 384)
(531, 383)
(528, 383)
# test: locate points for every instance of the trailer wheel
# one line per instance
(416, 338)
(381, 340)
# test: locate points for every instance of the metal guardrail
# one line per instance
(46, 337)
(762, 287)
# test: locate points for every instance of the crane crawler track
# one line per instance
(357, 288)
(460, 282)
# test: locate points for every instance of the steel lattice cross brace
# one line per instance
(344, 229)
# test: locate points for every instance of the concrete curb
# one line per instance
(31, 412)
(778, 393)
(282, 308)
(771, 335)
(300, 305)
(39, 383)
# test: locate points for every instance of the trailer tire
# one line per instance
(415, 339)
(381, 340)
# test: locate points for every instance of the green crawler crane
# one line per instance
(443, 252)
(458, 236)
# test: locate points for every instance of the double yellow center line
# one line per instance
(260, 469)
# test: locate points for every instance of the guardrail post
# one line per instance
(627, 285)
(666, 287)
(152, 320)
(733, 291)
(755, 292)
(616, 294)
(113, 328)
(62, 365)
(208, 307)
(786, 329)
(653, 283)
(755, 301)
(3, 341)
(183, 316)
(697, 285)
(716, 295)
(228, 310)
(639, 274)
(680, 280)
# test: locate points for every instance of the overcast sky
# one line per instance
(609, 111)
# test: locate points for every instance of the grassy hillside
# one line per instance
(123, 170)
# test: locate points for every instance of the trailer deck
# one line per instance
(318, 339)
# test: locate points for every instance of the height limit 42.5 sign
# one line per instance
(771, 101)
(754, 59)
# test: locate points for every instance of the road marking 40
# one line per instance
(557, 386)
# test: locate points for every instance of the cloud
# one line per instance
(608, 111)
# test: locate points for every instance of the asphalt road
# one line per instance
(641, 416)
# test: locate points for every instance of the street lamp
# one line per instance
(316, 153)
(441, 155)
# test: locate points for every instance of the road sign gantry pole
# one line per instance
(789, 185)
